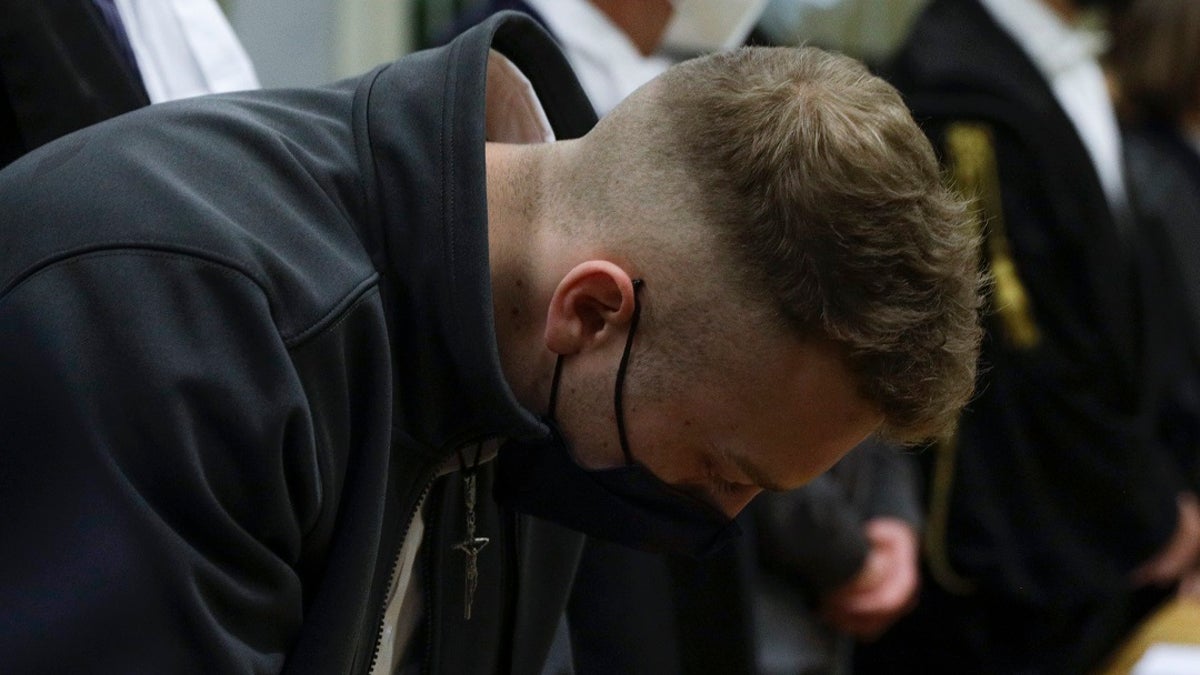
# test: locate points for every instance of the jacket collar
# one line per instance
(420, 135)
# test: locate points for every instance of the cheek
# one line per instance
(667, 443)
(672, 462)
(592, 439)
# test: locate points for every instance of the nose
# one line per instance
(728, 502)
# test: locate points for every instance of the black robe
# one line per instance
(239, 335)
(1056, 486)
(1164, 171)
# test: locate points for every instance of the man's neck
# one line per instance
(515, 195)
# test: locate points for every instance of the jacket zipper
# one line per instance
(394, 573)
(427, 587)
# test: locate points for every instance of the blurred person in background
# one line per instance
(616, 46)
(612, 45)
(836, 560)
(865, 29)
(1155, 65)
(1059, 514)
(65, 64)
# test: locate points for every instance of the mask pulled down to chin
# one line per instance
(627, 504)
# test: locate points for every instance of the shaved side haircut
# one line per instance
(824, 210)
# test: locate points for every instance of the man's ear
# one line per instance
(593, 302)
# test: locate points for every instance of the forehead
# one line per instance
(788, 418)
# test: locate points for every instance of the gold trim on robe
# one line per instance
(971, 155)
(971, 159)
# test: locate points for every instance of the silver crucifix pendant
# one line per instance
(471, 546)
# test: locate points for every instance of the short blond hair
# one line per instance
(827, 199)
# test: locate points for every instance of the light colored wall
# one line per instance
(308, 42)
(867, 29)
(371, 32)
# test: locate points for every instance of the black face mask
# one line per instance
(628, 505)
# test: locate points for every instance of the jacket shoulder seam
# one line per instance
(143, 249)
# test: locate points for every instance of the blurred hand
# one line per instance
(1189, 587)
(886, 586)
(1182, 551)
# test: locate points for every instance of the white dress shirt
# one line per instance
(1066, 56)
(607, 63)
(185, 48)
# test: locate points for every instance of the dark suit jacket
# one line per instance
(1164, 171)
(240, 335)
(61, 69)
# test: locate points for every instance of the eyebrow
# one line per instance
(754, 473)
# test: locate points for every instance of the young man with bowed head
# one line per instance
(229, 387)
